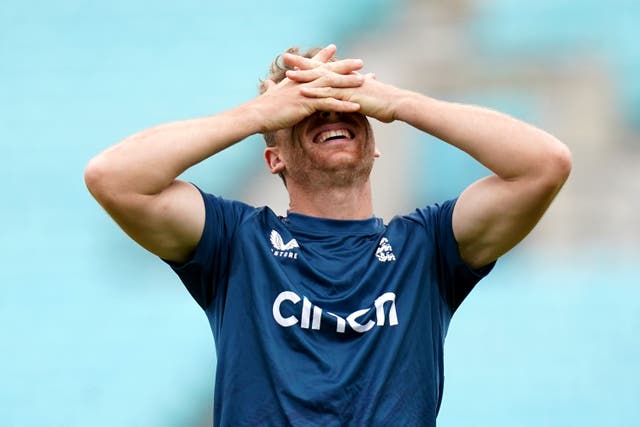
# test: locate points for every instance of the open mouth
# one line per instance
(333, 135)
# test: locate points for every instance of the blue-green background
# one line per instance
(96, 332)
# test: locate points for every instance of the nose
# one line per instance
(330, 115)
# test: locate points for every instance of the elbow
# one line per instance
(556, 166)
(92, 174)
(562, 162)
(96, 178)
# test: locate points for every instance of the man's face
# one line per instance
(328, 148)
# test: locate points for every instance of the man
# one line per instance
(328, 316)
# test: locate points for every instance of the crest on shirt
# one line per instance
(280, 248)
(384, 253)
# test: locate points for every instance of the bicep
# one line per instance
(493, 215)
(168, 224)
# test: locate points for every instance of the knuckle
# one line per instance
(353, 79)
(331, 79)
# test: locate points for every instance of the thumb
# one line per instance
(268, 84)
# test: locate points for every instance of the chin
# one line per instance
(349, 171)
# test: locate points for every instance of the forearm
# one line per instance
(149, 161)
(508, 147)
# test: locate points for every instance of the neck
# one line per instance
(344, 202)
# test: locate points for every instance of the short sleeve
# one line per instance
(207, 269)
(457, 278)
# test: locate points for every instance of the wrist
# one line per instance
(254, 117)
(409, 106)
(402, 105)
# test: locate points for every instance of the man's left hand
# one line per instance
(375, 98)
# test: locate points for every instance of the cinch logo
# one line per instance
(311, 315)
(282, 249)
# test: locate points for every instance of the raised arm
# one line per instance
(530, 166)
(495, 213)
(135, 180)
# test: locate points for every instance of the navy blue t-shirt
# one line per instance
(327, 322)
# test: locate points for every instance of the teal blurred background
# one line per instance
(97, 332)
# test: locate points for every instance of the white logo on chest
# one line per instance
(311, 315)
(384, 253)
(282, 249)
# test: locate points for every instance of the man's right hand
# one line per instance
(135, 180)
(283, 104)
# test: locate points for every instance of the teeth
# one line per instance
(332, 134)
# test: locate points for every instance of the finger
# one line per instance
(325, 77)
(332, 104)
(268, 84)
(319, 92)
(326, 53)
(341, 81)
(305, 76)
(345, 66)
(300, 62)
(371, 76)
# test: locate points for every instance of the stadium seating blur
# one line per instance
(97, 332)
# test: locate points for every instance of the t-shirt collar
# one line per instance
(326, 225)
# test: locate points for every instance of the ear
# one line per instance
(376, 153)
(274, 160)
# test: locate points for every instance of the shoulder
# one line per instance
(226, 205)
(429, 217)
(231, 213)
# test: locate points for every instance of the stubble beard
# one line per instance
(340, 174)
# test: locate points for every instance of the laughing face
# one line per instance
(326, 148)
